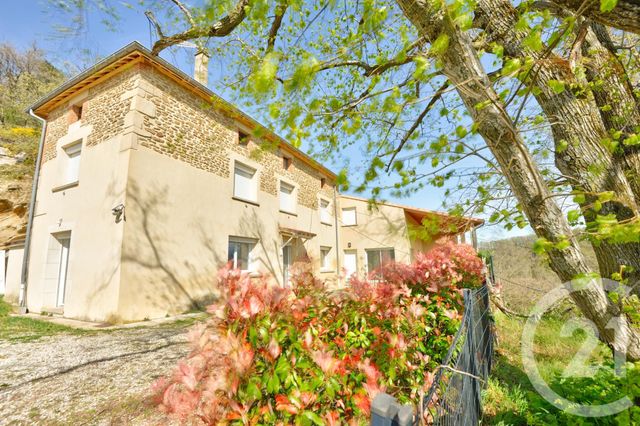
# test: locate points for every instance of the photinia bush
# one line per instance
(306, 355)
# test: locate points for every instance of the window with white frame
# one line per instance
(287, 197)
(379, 257)
(325, 211)
(71, 172)
(325, 260)
(240, 252)
(245, 185)
(349, 216)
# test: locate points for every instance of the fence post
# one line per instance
(386, 411)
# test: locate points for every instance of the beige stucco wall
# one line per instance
(84, 210)
(180, 206)
(177, 231)
(381, 227)
(13, 273)
(159, 150)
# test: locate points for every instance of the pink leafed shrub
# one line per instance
(273, 355)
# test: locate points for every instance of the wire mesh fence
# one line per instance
(454, 397)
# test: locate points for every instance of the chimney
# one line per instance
(201, 71)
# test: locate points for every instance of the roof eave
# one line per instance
(146, 53)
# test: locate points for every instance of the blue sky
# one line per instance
(24, 22)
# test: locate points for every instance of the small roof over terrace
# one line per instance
(447, 224)
(292, 233)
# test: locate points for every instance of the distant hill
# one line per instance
(524, 275)
(24, 77)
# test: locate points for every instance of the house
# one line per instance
(372, 235)
(148, 183)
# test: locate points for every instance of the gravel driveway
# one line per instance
(102, 378)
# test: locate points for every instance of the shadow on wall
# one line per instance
(104, 277)
(385, 226)
(176, 252)
(270, 259)
(179, 269)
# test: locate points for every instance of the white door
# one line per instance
(350, 263)
(286, 263)
(62, 269)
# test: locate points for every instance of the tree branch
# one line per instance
(185, 11)
(575, 54)
(221, 28)
(372, 70)
(275, 26)
(416, 123)
(625, 16)
(149, 14)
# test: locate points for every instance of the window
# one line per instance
(243, 138)
(286, 163)
(72, 166)
(240, 252)
(325, 261)
(325, 213)
(379, 257)
(349, 216)
(287, 197)
(244, 183)
(323, 182)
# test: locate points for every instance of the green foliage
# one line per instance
(440, 45)
(309, 356)
(603, 388)
(510, 398)
(557, 86)
(607, 5)
(24, 78)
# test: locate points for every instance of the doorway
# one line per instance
(287, 261)
(350, 263)
(64, 241)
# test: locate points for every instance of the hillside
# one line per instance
(24, 77)
(524, 275)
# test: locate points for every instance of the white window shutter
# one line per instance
(349, 216)
(287, 197)
(72, 167)
(244, 183)
(325, 214)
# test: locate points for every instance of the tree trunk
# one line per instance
(460, 63)
(619, 109)
(616, 100)
(576, 123)
(625, 16)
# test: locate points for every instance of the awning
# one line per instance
(296, 233)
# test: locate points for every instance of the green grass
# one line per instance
(509, 398)
(22, 329)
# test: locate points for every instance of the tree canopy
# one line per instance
(525, 111)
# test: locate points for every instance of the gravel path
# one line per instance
(101, 378)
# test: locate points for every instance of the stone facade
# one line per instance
(187, 128)
(57, 125)
(102, 108)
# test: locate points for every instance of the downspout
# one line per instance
(32, 203)
(335, 224)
